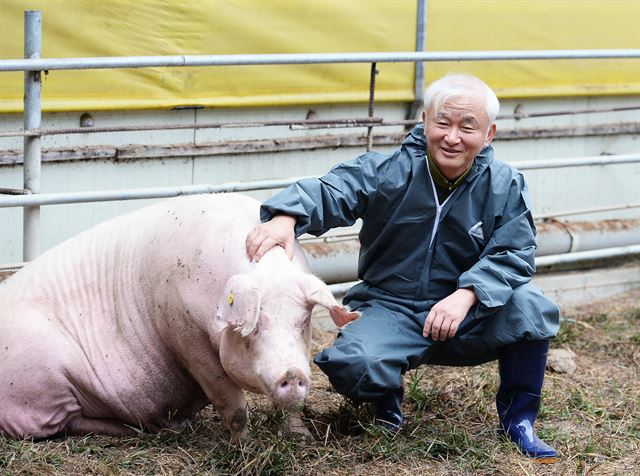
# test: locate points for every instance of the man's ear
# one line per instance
(491, 133)
(239, 305)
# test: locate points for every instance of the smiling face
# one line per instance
(456, 132)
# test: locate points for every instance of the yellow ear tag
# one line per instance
(230, 299)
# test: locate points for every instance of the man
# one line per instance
(446, 260)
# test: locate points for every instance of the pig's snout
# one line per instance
(291, 388)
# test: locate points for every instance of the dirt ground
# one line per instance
(591, 416)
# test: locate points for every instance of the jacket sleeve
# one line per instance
(338, 198)
(508, 259)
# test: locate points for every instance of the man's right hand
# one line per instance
(279, 231)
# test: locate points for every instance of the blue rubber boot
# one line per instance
(388, 410)
(518, 400)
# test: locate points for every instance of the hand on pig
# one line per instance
(279, 231)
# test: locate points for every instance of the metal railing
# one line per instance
(37, 65)
(34, 200)
(33, 65)
(300, 124)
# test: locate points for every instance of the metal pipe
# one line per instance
(421, 45)
(163, 192)
(577, 162)
(584, 211)
(543, 262)
(339, 289)
(557, 237)
(32, 146)
(568, 112)
(584, 256)
(139, 193)
(293, 124)
(372, 103)
(319, 123)
(308, 58)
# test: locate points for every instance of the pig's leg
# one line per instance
(82, 425)
(296, 426)
(227, 398)
(36, 397)
(229, 401)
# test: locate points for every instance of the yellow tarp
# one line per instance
(89, 28)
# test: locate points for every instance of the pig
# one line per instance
(141, 321)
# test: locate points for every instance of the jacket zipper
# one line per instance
(439, 208)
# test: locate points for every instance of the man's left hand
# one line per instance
(445, 317)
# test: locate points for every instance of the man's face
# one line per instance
(457, 133)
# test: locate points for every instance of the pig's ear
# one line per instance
(239, 306)
(318, 292)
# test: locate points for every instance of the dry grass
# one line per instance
(592, 417)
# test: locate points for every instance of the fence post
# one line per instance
(32, 146)
(421, 44)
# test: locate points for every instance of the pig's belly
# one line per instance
(48, 396)
(151, 399)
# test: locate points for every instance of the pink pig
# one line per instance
(143, 320)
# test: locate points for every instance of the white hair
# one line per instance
(460, 85)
